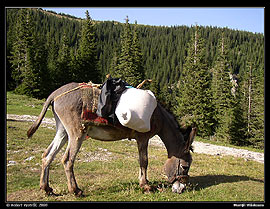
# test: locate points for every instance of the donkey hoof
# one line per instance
(148, 189)
(48, 190)
(78, 193)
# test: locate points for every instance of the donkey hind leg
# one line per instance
(59, 140)
(68, 160)
(143, 160)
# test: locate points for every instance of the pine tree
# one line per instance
(126, 64)
(238, 126)
(130, 60)
(252, 105)
(256, 123)
(223, 100)
(137, 56)
(43, 85)
(194, 101)
(52, 49)
(114, 71)
(85, 66)
(63, 71)
(23, 54)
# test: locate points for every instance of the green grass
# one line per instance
(213, 178)
(24, 105)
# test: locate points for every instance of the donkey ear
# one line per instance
(190, 139)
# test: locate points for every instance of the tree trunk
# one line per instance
(249, 96)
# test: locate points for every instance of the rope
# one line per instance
(81, 85)
(66, 93)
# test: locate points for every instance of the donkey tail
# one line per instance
(36, 124)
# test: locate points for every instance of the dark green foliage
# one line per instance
(129, 64)
(63, 71)
(222, 93)
(49, 50)
(194, 101)
(137, 57)
(256, 132)
(22, 47)
(238, 128)
(163, 48)
(28, 58)
(251, 105)
(125, 64)
(84, 68)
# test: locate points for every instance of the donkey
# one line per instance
(66, 104)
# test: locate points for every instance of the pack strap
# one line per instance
(81, 85)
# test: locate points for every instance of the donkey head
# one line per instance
(176, 168)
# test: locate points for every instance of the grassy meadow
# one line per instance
(108, 171)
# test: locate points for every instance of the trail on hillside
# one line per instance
(199, 147)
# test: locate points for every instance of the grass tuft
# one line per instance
(113, 175)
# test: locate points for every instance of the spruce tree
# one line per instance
(251, 90)
(223, 100)
(85, 65)
(63, 72)
(126, 64)
(238, 126)
(114, 71)
(129, 66)
(52, 49)
(43, 85)
(194, 101)
(23, 55)
(137, 56)
(256, 124)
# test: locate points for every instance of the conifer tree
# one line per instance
(194, 101)
(256, 123)
(223, 100)
(164, 50)
(52, 49)
(238, 132)
(85, 66)
(137, 56)
(126, 64)
(130, 60)
(23, 56)
(43, 85)
(63, 72)
(251, 96)
(114, 71)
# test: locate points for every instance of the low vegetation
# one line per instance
(112, 176)
(108, 171)
(24, 105)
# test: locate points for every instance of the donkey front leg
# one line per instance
(68, 159)
(143, 159)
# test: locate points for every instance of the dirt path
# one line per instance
(199, 147)
(211, 149)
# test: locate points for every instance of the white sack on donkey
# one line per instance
(135, 108)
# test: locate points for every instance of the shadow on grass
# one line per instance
(202, 182)
(196, 182)
(132, 187)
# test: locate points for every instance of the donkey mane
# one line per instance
(184, 130)
(171, 116)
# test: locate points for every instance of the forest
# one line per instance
(208, 76)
